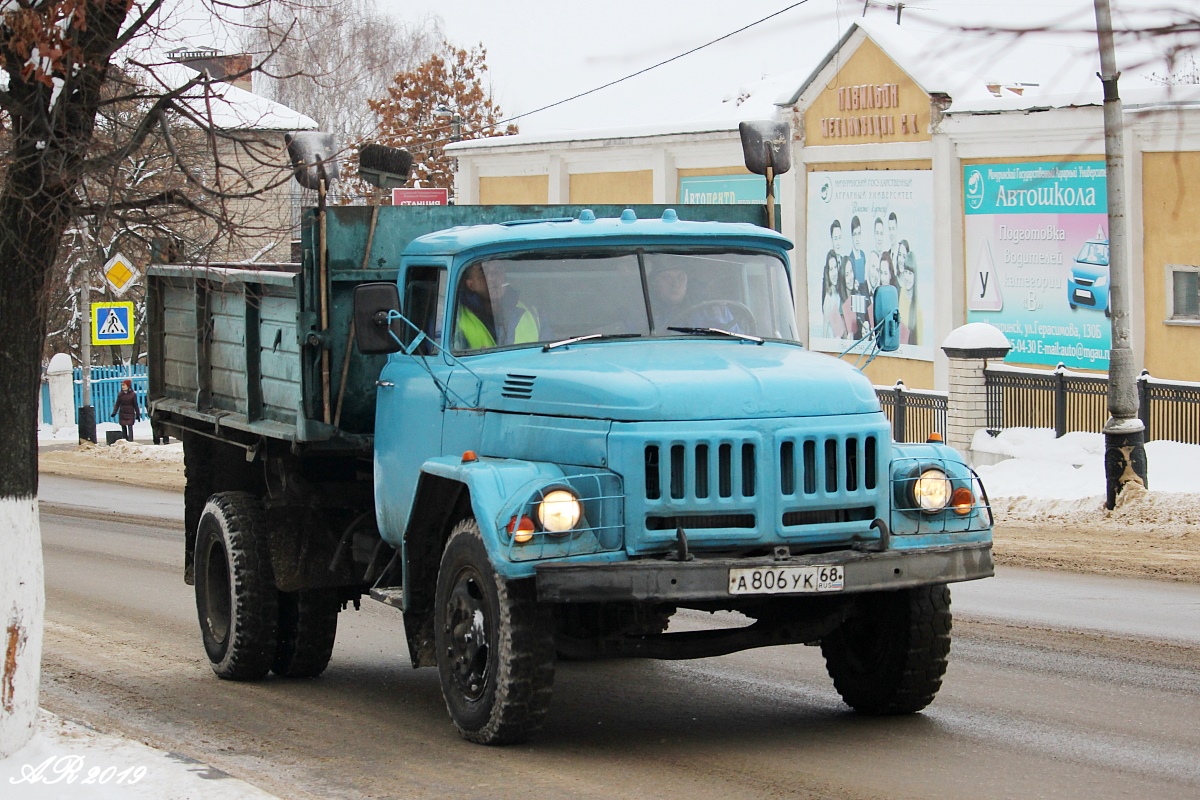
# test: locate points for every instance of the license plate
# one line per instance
(1084, 294)
(786, 580)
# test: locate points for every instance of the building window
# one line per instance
(1183, 292)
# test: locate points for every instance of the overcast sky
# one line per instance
(544, 51)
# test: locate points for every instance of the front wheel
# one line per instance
(890, 656)
(236, 599)
(495, 649)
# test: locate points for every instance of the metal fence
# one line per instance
(106, 383)
(1070, 402)
(914, 413)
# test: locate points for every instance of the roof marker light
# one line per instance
(629, 215)
(669, 215)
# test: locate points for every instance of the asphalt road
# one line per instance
(1050, 693)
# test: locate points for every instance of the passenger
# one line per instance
(490, 312)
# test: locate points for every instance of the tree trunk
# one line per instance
(31, 225)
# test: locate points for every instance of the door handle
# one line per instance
(385, 384)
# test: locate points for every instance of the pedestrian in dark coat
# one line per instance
(126, 410)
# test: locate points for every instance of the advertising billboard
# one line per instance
(725, 189)
(866, 229)
(1037, 259)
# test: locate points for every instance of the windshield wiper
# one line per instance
(743, 336)
(591, 337)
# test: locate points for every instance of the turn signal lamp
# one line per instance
(520, 529)
(962, 501)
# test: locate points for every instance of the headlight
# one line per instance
(559, 511)
(1101, 281)
(931, 491)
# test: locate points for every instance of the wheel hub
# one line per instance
(467, 636)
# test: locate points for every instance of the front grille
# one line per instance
(1084, 281)
(814, 466)
(700, 522)
(701, 470)
(828, 516)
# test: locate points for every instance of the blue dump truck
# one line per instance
(538, 433)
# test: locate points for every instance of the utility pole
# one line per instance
(1124, 433)
(87, 414)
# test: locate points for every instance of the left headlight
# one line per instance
(931, 491)
(559, 511)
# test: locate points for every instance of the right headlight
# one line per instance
(559, 511)
(930, 491)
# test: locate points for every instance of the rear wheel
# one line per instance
(889, 658)
(236, 599)
(495, 649)
(306, 632)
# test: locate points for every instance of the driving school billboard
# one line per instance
(1037, 259)
(865, 229)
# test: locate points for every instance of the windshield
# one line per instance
(1093, 253)
(550, 297)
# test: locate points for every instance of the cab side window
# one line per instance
(425, 304)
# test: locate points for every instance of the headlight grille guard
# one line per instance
(908, 518)
(601, 526)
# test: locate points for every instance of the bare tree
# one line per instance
(328, 58)
(95, 141)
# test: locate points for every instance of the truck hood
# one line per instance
(670, 379)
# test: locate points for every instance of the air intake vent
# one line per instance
(519, 387)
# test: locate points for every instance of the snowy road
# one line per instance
(1023, 713)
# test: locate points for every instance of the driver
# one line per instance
(672, 307)
(490, 312)
(668, 292)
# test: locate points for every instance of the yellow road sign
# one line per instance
(120, 273)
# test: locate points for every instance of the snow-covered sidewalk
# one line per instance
(68, 760)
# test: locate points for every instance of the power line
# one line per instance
(652, 67)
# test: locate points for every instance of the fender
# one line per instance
(497, 488)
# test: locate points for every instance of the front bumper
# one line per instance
(659, 580)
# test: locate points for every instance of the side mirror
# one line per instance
(372, 334)
(886, 304)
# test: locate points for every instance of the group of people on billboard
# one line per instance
(850, 276)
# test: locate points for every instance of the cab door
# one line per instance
(410, 405)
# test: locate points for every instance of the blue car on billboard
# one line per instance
(1087, 285)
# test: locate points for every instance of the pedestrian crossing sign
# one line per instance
(112, 323)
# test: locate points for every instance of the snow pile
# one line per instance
(1045, 480)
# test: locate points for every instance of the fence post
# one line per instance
(1143, 387)
(1060, 401)
(62, 391)
(899, 420)
(969, 348)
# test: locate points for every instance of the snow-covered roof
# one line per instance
(232, 108)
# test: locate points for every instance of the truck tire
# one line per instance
(236, 598)
(890, 657)
(306, 632)
(493, 642)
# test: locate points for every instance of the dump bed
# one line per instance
(235, 351)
